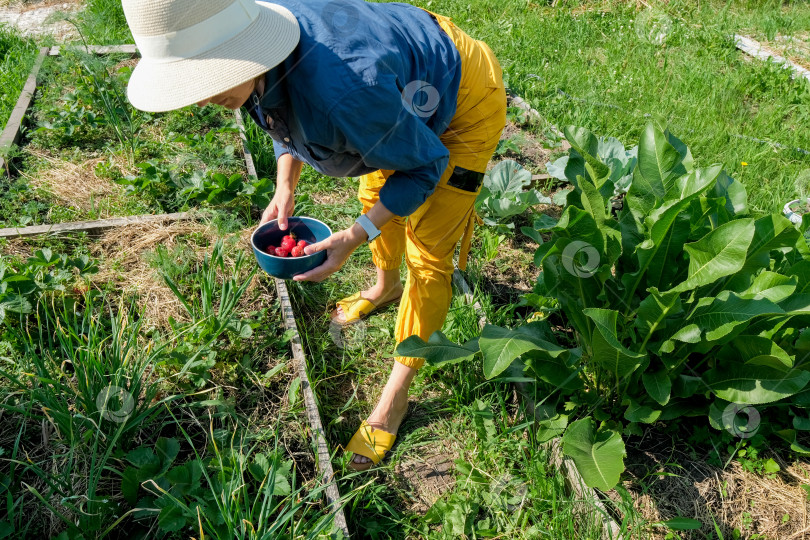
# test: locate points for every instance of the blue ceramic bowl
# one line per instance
(304, 228)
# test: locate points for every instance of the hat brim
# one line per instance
(166, 86)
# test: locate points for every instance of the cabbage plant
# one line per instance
(506, 193)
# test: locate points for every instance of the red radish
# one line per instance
(282, 252)
(288, 242)
(297, 251)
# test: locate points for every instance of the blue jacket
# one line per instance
(369, 86)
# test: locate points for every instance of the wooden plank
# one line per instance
(251, 166)
(573, 480)
(94, 226)
(754, 48)
(324, 458)
(11, 133)
(97, 49)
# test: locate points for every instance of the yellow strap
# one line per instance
(466, 240)
(355, 306)
(371, 443)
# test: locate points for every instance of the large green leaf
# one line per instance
(734, 194)
(659, 164)
(512, 204)
(438, 350)
(501, 346)
(728, 311)
(584, 160)
(658, 385)
(718, 254)
(637, 412)
(598, 454)
(654, 310)
(507, 177)
(608, 352)
(556, 371)
(669, 227)
(771, 232)
(754, 384)
(752, 346)
(775, 287)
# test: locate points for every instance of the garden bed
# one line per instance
(186, 291)
(758, 495)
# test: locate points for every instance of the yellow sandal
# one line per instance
(371, 443)
(356, 308)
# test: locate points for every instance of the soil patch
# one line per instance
(427, 475)
(533, 154)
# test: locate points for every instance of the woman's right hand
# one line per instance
(280, 207)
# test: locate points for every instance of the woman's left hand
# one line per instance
(338, 248)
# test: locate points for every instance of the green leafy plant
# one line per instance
(171, 189)
(91, 381)
(613, 154)
(506, 146)
(679, 306)
(22, 285)
(218, 189)
(97, 101)
(504, 194)
(236, 491)
(154, 181)
(214, 292)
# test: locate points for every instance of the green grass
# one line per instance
(102, 22)
(16, 58)
(193, 439)
(587, 66)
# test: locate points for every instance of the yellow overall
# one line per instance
(429, 236)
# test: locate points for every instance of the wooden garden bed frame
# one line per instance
(11, 135)
(755, 49)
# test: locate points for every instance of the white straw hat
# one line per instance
(192, 50)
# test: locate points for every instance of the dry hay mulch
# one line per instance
(666, 482)
(794, 48)
(331, 198)
(74, 184)
(20, 248)
(124, 248)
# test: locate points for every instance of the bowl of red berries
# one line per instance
(281, 253)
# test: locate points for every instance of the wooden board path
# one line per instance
(324, 457)
(11, 133)
(754, 48)
(97, 49)
(94, 225)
